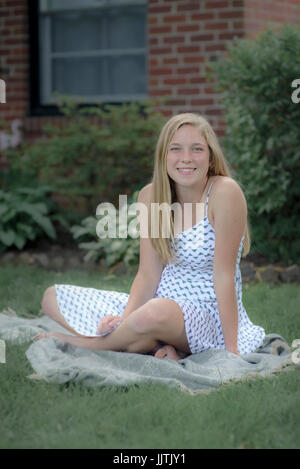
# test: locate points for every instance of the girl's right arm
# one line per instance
(150, 269)
(146, 281)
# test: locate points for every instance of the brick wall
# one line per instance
(14, 50)
(184, 36)
(259, 14)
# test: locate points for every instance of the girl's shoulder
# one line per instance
(225, 185)
(226, 192)
(145, 193)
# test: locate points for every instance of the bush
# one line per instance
(26, 213)
(111, 250)
(262, 138)
(99, 153)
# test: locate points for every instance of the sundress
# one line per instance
(188, 280)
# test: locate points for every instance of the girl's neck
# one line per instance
(190, 194)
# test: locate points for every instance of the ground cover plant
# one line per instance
(260, 413)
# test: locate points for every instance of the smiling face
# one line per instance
(188, 157)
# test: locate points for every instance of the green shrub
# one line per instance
(112, 250)
(99, 152)
(26, 213)
(262, 138)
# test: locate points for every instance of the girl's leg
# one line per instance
(158, 320)
(50, 307)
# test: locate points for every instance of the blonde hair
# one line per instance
(163, 188)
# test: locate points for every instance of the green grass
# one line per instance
(260, 413)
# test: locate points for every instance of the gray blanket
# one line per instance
(57, 361)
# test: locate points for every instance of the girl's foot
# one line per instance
(167, 351)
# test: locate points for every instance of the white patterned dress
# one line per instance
(188, 281)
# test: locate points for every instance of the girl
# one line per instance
(187, 294)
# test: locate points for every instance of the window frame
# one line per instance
(37, 107)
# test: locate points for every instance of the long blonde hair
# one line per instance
(163, 188)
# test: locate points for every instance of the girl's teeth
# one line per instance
(187, 170)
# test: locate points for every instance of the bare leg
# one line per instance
(50, 307)
(158, 320)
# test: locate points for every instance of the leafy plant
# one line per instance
(262, 137)
(98, 152)
(26, 213)
(113, 250)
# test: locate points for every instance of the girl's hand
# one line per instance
(44, 335)
(107, 324)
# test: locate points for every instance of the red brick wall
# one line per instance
(185, 36)
(258, 14)
(14, 55)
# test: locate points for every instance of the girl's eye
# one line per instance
(198, 149)
(174, 149)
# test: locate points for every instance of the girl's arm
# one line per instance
(150, 269)
(144, 286)
(229, 211)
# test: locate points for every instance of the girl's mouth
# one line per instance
(186, 171)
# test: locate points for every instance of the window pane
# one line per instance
(96, 52)
(127, 75)
(79, 76)
(77, 31)
(113, 29)
(124, 75)
(126, 28)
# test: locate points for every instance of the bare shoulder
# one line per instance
(227, 199)
(145, 193)
(227, 188)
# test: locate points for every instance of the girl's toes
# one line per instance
(167, 351)
(161, 352)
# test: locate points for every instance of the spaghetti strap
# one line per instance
(207, 197)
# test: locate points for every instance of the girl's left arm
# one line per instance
(229, 211)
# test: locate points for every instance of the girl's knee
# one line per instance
(48, 297)
(148, 318)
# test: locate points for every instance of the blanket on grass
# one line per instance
(60, 362)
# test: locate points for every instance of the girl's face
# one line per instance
(188, 156)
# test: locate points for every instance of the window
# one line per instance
(94, 49)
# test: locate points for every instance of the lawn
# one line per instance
(261, 413)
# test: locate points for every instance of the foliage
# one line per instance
(262, 138)
(112, 250)
(98, 153)
(26, 213)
